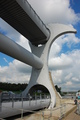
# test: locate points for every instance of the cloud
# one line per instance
(16, 72)
(70, 74)
(70, 40)
(68, 77)
(69, 83)
(22, 41)
(57, 76)
(53, 11)
(61, 62)
(54, 50)
(5, 60)
(8, 30)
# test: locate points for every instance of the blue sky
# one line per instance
(64, 57)
(75, 6)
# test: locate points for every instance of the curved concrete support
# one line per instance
(42, 76)
(14, 50)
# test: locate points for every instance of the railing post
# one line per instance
(29, 99)
(40, 96)
(43, 115)
(22, 101)
(12, 101)
(61, 111)
(50, 113)
(22, 114)
(78, 108)
(40, 115)
(35, 99)
(0, 102)
(44, 96)
(64, 109)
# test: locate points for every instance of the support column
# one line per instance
(41, 76)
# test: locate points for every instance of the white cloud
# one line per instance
(22, 41)
(75, 79)
(61, 62)
(13, 34)
(16, 72)
(57, 76)
(69, 83)
(55, 11)
(70, 75)
(9, 31)
(54, 50)
(69, 39)
(5, 60)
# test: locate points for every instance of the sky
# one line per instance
(64, 56)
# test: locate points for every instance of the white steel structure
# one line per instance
(41, 76)
(41, 34)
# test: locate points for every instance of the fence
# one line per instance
(78, 108)
(46, 114)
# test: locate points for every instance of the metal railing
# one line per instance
(47, 114)
(78, 108)
(53, 114)
(19, 97)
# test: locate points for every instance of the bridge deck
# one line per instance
(27, 22)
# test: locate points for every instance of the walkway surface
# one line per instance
(72, 116)
(53, 114)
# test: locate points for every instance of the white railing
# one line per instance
(78, 108)
(47, 114)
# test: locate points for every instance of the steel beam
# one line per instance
(9, 47)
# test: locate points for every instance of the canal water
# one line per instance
(69, 97)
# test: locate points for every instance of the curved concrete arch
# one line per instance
(42, 76)
(38, 88)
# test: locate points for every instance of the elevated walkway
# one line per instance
(21, 16)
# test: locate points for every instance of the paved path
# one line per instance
(46, 114)
(72, 116)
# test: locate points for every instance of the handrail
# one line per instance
(42, 114)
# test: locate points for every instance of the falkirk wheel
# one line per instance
(32, 27)
(41, 76)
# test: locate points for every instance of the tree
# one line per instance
(58, 89)
(12, 86)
